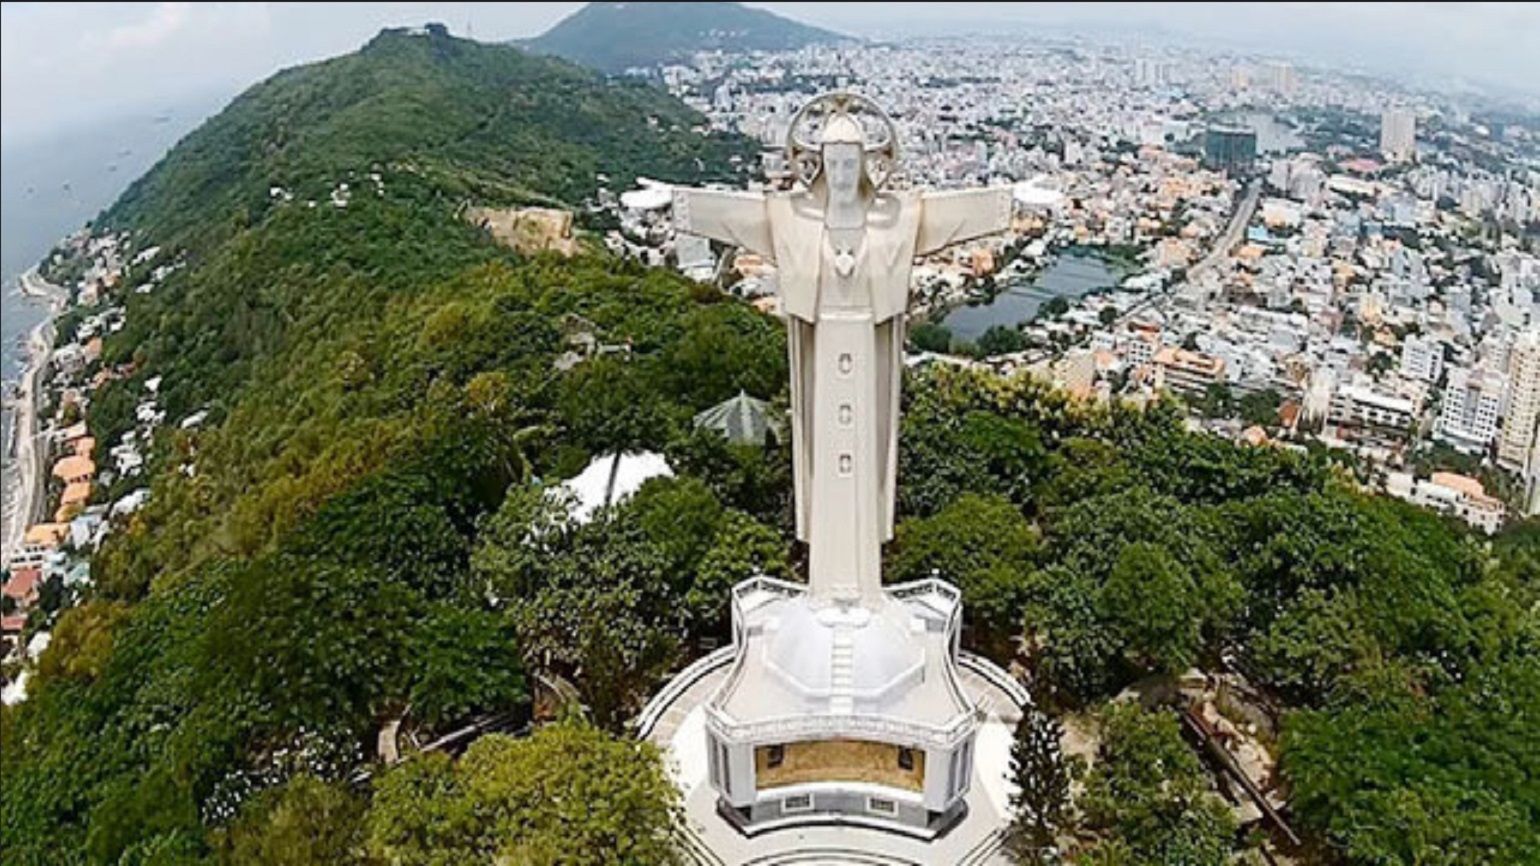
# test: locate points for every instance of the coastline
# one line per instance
(24, 465)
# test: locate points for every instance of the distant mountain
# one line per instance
(613, 37)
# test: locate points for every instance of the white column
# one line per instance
(845, 532)
(739, 774)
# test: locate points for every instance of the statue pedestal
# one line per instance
(676, 722)
(843, 710)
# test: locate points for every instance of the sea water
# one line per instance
(51, 186)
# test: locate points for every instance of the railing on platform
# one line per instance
(996, 677)
(678, 685)
(814, 726)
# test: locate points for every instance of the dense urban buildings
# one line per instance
(1356, 257)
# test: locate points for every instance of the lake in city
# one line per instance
(1071, 275)
(1273, 136)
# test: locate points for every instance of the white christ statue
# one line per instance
(844, 248)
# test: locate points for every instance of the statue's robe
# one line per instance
(845, 327)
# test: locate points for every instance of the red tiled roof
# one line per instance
(23, 583)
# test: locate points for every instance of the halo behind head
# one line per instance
(841, 117)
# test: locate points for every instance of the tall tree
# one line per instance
(305, 822)
(1147, 793)
(1041, 802)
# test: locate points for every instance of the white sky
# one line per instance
(62, 65)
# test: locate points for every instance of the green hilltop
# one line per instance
(378, 375)
(476, 119)
(614, 37)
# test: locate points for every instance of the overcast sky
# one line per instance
(63, 65)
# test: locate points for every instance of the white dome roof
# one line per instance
(1036, 192)
(651, 195)
(831, 651)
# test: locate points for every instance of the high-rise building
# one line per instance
(1398, 134)
(1229, 149)
(1278, 77)
(1278, 175)
(1473, 404)
(1516, 448)
(1532, 508)
(1149, 72)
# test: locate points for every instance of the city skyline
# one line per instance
(148, 56)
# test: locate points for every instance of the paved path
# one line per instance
(30, 447)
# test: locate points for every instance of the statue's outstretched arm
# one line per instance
(732, 217)
(953, 216)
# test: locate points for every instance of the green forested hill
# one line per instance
(378, 376)
(415, 126)
(613, 37)
(476, 119)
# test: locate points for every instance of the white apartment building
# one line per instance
(1276, 76)
(1075, 372)
(1187, 372)
(1398, 134)
(1450, 493)
(1473, 406)
(1516, 448)
(1139, 346)
(1360, 412)
(1422, 358)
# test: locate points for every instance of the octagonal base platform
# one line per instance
(675, 722)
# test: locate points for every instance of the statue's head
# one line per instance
(842, 145)
(843, 155)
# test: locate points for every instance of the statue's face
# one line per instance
(842, 169)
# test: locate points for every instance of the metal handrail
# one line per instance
(924, 586)
(996, 677)
(844, 724)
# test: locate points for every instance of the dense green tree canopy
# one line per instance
(981, 544)
(1149, 799)
(566, 795)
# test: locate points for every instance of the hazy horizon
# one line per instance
(64, 65)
